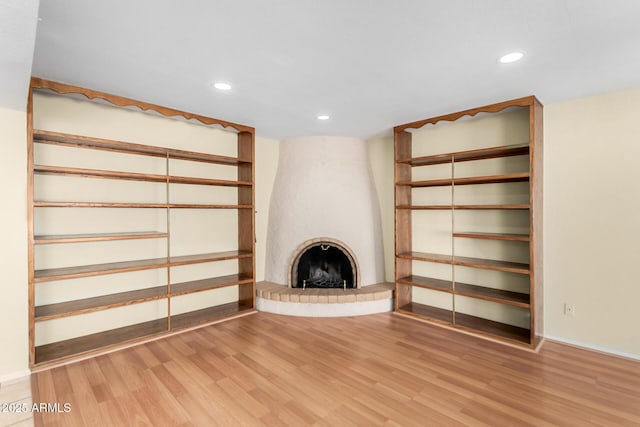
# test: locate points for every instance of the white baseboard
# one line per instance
(14, 377)
(593, 347)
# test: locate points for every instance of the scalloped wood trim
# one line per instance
(493, 108)
(62, 88)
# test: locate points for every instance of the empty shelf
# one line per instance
(97, 269)
(74, 346)
(494, 236)
(485, 326)
(517, 299)
(207, 315)
(488, 264)
(57, 138)
(492, 179)
(87, 305)
(463, 156)
(426, 311)
(464, 207)
(427, 283)
(133, 176)
(96, 237)
(207, 284)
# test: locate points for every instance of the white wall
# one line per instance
(14, 339)
(591, 221)
(323, 189)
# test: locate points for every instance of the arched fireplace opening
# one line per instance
(324, 264)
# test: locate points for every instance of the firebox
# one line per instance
(324, 264)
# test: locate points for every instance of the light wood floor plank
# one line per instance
(357, 371)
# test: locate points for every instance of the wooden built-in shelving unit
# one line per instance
(465, 304)
(109, 337)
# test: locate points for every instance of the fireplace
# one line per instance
(324, 232)
(324, 190)
(323, 263)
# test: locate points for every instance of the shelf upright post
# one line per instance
(168, 219)
(30, 231)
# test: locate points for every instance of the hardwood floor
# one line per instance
(381, 369)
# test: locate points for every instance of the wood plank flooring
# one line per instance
(381, 369)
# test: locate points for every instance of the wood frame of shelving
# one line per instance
(50, 354)
(404, 254)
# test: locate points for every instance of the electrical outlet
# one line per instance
(569, 309)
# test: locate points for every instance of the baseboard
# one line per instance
(593, 347)
(15, 377)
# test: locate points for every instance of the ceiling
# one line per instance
(369, 64)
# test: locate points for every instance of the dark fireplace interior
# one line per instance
(324, 266)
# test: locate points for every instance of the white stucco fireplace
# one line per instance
(324, 199)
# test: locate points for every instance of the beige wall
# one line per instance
(267, 154)
(591, 221)
(14, 360)
(381, 159)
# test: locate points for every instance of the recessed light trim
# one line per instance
(222, 86)
(511, 57)
(323, 117)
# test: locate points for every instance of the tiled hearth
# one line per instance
(315, 302)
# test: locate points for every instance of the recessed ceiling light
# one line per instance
(511, 57)
(323, 117)
(222, 86)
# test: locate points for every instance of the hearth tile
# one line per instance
(386, 294)
(349, 298)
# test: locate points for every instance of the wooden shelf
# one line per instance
(464, 207)
(40, 204)
(96, 237)
(425, 256)
(132, 176)
(143, 264)
(50, 274)
(465, 156)
(487, 264)
(427, 283)
(201, 206)
(88, 305)
(439, 315)
(207, 284)
(75, 346)
(43, 204)
(485, 326)
(492, 179)
(207, 315)
(490, 294)
(494, 236)
(57, 138)
(208, 257)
